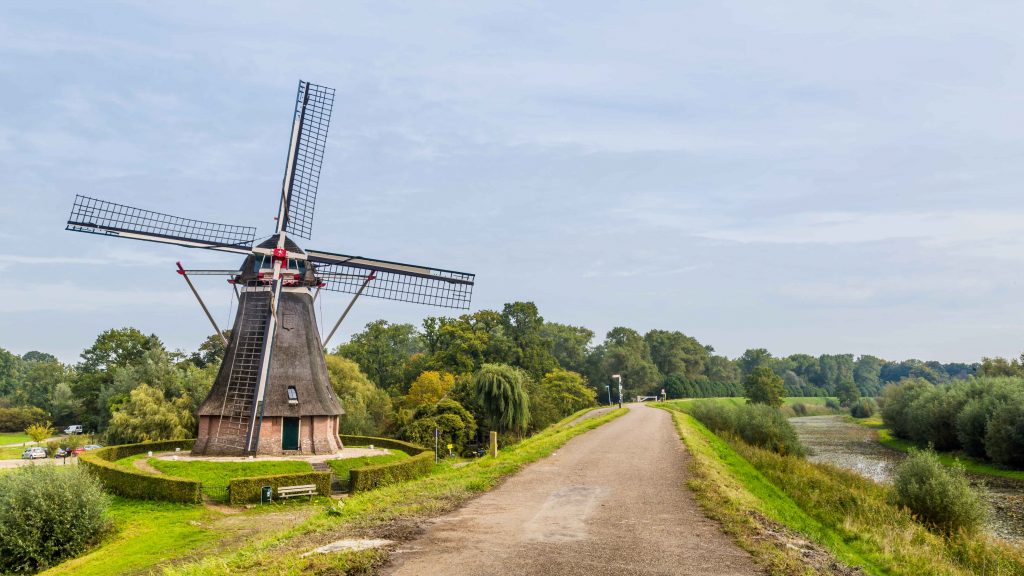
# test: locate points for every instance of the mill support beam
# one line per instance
(184, 274)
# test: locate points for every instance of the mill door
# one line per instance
(290, 434)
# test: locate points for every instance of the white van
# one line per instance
(73, 429)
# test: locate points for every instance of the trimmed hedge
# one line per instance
(389, 443)
(137, 484)
(246, 490)
(370, 477)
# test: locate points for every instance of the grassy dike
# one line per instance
(771, 503)
(391, 512)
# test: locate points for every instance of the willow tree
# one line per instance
(502, 394)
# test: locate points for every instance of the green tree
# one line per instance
(463, 344)
(835, 370)
(867, 374)
(523, 325)
(626, 353)
(558, 394)
(721, 370)
(753, 358)
(94, 381)
(383, 351)
(10, 373)
(764, 387)
(368, 409)
(211, 351)
(569, 344)
(677, 353)
(848, 393)
(502, 394)
(148, 416)
(455, 425)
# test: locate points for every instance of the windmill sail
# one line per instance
(305, 157)
(102, 217)
(393, 280)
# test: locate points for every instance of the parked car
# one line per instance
(62, 452)
(77, 451)
(93, 446)
(33, 453)
(74, 429)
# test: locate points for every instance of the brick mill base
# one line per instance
(315, 435)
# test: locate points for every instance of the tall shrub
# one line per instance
(47, 514)
(932, 417)
(1004, 437)
(896, 401)
(765, 426)
(939, 496)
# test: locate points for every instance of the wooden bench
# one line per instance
(303, 490)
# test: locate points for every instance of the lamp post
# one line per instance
(608, 387)
(618, 378)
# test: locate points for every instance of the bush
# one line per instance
(717, 417)
(764, 426)
(863, 408)
(832, 404)
(897, 399)
(939, 497)
(931, 417)
(756, 424)
(1004, 438)
(245, 490)
(800, 409)
(136, 484)
(47, 514)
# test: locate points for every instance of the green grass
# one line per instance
(839, 510)
(14, 438)
(216, 475)
(146, 534)
(12, 453)
(375, 510)
(342, 466)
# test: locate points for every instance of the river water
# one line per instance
(837, 441)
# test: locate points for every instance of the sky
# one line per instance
(815, 177)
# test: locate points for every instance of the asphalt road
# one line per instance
(611, 501)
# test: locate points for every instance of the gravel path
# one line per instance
(611, 501)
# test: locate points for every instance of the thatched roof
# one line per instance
(297, 361)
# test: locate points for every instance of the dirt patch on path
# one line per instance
(612, 500)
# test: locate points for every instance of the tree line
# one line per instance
(407, 380)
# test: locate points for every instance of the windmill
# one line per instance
(272, 394)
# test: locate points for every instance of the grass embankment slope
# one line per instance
(757, 494)
(390, 512)
(971, 465)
